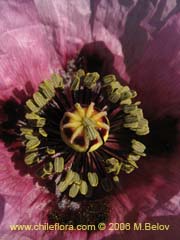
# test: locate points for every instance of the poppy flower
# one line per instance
(70, 124)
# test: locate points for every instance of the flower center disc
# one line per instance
(84, 129)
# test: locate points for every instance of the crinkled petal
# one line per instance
(26, 54)
(133, 22)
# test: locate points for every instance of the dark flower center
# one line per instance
(82, 134)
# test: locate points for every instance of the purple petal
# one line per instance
(156, 76)
(133, 22)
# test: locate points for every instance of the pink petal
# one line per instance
(71, 28)
(22, 200)
(67, 24)
(43, 38)
(26, 55)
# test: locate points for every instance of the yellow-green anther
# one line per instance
(62, 186)
(114, 96)
(130, 118)
(83, 187)
(114, 165)
(40, 122)
(75, 84)
(59, 164)
(91, 79)
(30, 158)
(48, 168)
(127, 101)
(138, 113)
(76, 178)
(45, 171)
(32, 116)
(39, 99)
(57, 81)
(138, 147)
(143, 127)
(50, 151)
(129, 108)
(49, 84)
(137, 103)
(133, 125)
(47, 90)
(93, 179)
(73, 191)
(116, 179)
(126, 93)
(109, 79)
(32, 144)
(31, 106)
(30, 136)
(128, 168)
(30, 151)
(117, 168)
(28, 131)
(80, 73)
(142, 131)
(43, 132)
(69, 177)
(133, 163)
(133, 157)
(114, 86)
(133, 93)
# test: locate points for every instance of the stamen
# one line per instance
(59, 164)
(73, 191)
(31, 158)
(39, 99)
(32, 107)
(83, 187)
(93, 179)
(91, 79)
